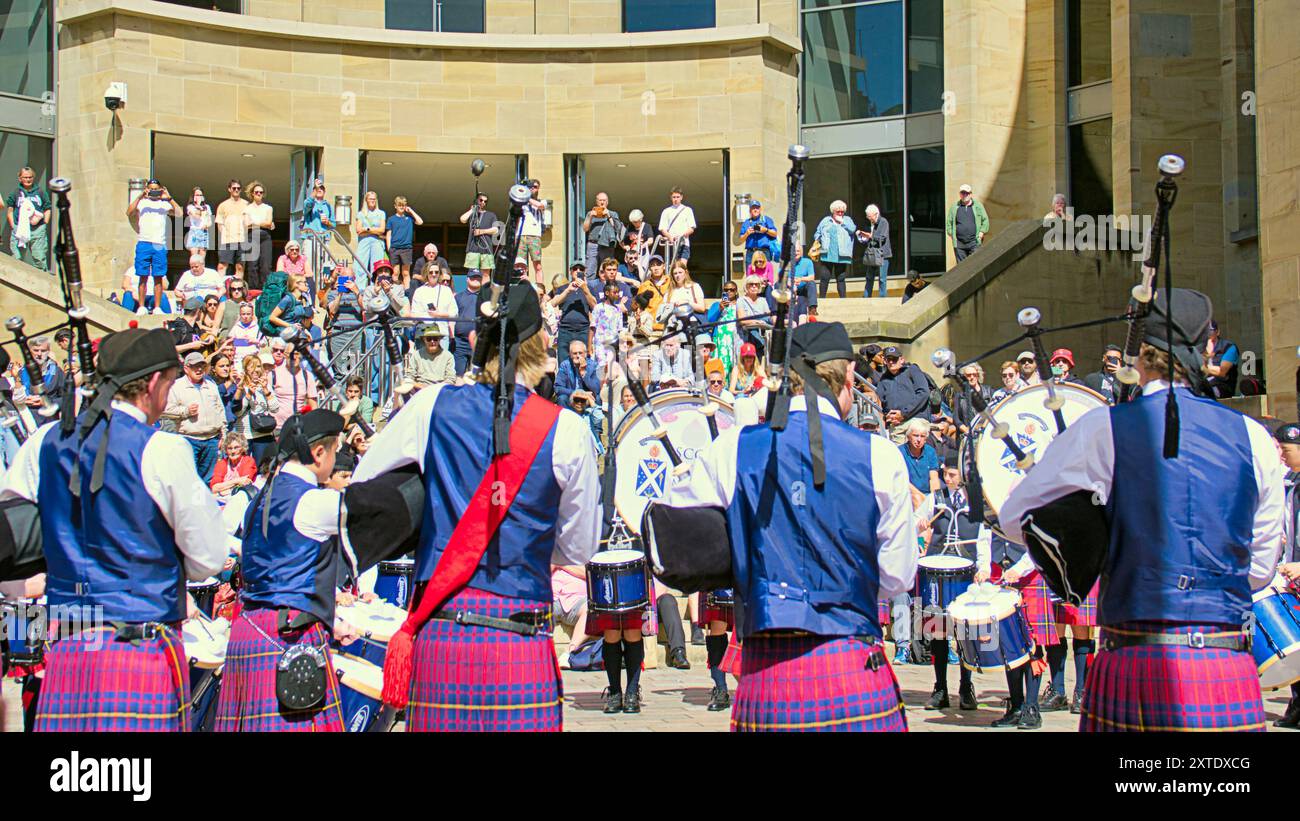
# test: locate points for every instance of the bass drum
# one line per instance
(1031, 426)
(644, 470)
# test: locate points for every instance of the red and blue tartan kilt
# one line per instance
(1169, 688)
(479, 679)
(711, 612)
(1036, 597)
(598, 623)
(94, 683)
(1085, 615)
(799, 682)
(731, 660)
(247, 703)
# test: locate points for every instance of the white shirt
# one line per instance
(170, 479)
(321, 512)
(532, 221)
(1083, 458)
(208, 283)
(675, 219)
(403, 441)
(443, 299)
(712, 482)
(153, 217)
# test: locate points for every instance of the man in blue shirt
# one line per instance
(578, 372)
(52, 376)
(921, 458)
(758, 232)
(317, 220)
(401, 239)
(462, 347)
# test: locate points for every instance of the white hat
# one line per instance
(965, 189)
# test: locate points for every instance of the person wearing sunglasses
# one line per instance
(231, 235)
(1011, 381)
(1103, 381)
(715, 380)
(1028, 365)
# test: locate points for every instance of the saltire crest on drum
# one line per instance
(801, 683)
(651, 478)
(1027, 444)
(94, 683)
(1172, 688)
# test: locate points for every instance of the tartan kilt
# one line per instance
(247, 703)
(479, 679)
(732, 658)
(1036, 597)
(598, 623)
(94, 683)
(708, 613)
(1169, 688)
(799, 682)
(1085, 615)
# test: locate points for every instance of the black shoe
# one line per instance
(1076, 706)
(1030, 718)
(1290, 720)
(1053, 702)
(719, 700)
(677, 659)
(613, 702)
(938, 700)
(966, 697)
(1010, 718)
(697, 636)
(632, 702)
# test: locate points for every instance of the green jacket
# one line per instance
(981, 220)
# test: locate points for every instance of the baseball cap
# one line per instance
(656, 258)
(703, 339)
(1023, 355)
(1288, 433)
(1062, 353)
(193, 304)
(473, 273)
(577, 266)
(748, 349)
(965, 189)
(755, 204)
(891, 350)
(195, 358)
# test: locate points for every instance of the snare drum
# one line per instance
(643, 468)
(1276, 643)
(377, 621)
(722, 598)
(362, 695)
(616, 582)
(205, 595)
(942, 579)
(394, 582)
(991, 629)
(1031, 426)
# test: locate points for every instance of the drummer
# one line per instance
(477, 647)
(1175, 588)
(810, 574)
(291, 562)
(154, 525)
(623, 647)
(954, 533)
(1288, 446)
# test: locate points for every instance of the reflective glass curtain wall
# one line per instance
(668, 15)
(27, 80)
(435, 15)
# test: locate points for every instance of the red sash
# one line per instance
(485, 512)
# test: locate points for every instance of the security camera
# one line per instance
(115, 96)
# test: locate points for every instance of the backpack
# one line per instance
(272, 293)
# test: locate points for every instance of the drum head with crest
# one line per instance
(644, 469)
(1031, 425)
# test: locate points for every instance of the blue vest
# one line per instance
(1180, 529)
(284, 568)
(806, 559)
(111, 550)
(455, 461)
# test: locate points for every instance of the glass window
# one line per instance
(26, 43)
(925, 210)
(862, 180)
(1088, 22)
(435, 15)
(668, 15)
(1090, 168)
(16, 151)
(924, 55)
(232, 6)
(853, 63)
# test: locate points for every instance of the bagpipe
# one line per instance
(689, 548)
(21, 553)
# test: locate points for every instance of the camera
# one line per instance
(115, 96)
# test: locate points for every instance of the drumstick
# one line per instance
(709, 409)
(660, 432)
